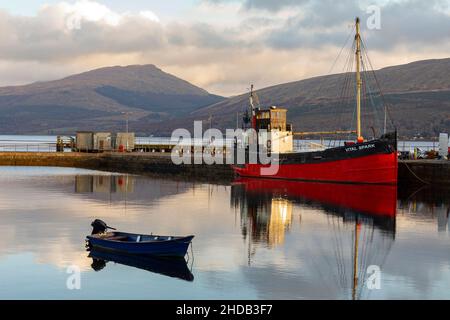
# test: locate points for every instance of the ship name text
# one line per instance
(362, 147)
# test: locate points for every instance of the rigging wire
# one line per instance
(379, 254)
(336, 60)
(351, 92)
(371, 95)
(323, 78)
(378, 84)
(345, 95)
(370, 118)
(340, 255)
(338, 107)
(374, 104)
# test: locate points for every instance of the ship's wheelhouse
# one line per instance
(273, 131)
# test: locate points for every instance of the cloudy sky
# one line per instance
(220, 45)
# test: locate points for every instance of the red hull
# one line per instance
(371, 169)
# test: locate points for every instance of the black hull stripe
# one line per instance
(339, 153)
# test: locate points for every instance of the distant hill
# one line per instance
(418, 95)
(98, 100)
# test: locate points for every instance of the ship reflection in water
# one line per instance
(255, 239)
(265, 218)
(361, 217)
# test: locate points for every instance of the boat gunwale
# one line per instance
(174, 238)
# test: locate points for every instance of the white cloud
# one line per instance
(149, 15)
(219, 47)
(85, 10)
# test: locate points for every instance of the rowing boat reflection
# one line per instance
(171, 267)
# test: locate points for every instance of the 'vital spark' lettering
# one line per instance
(363, 147)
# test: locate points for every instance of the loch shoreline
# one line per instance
(410, 172)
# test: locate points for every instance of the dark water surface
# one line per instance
(255, 239)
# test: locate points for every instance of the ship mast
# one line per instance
(358, 81)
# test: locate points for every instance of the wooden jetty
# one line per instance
(156, 164)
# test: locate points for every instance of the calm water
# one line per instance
(254, 239)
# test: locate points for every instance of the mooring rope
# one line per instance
(415, 175)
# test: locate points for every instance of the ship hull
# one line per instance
(374, 162)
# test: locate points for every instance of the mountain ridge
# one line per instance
(141, 91)
(418, 95)
(413, 88)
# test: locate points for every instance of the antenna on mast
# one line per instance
(251, 98)
(254, 104)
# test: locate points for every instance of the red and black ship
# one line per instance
(373, 162)
(358, 161)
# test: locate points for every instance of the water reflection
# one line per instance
(266, 205)
(255, 239)
(426, 202)
(356, 213)
(126, 188)
(104, 184)
(263, 219)
(171, 267)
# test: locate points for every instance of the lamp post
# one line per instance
(126, 120)
(127, 114)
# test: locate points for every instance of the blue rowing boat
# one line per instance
(132, 243)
